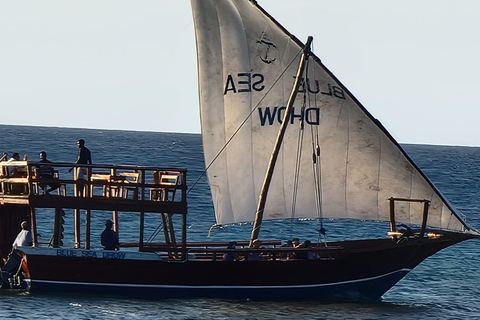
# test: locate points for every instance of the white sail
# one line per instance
(247, 63)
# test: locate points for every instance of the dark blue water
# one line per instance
(445, 286)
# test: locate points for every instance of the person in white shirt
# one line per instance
(24, 238)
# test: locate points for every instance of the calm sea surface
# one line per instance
(445, 286)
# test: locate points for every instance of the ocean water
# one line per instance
(445, 286)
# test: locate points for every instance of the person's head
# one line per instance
(80, 143)
(24, 225)
(43, 155)
(108, 224)
(296, 241)
(289, 243)
(16, 156)
(307, 243)
(232, 244)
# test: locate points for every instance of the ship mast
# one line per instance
(273, 158)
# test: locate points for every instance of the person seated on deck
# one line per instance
(46, 171)
(231, 256)
(16, 172)
(287, 255)
(257, 244)
(109, 238)
(310, 255)
(296, 242)
(24, 237)
(13, 171)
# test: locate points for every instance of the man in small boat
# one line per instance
(46, 171)
(109, 238)
(13, 264)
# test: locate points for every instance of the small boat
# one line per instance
(283, 139)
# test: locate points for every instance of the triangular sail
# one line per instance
(247, 63)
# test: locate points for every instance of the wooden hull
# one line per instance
(359, 270)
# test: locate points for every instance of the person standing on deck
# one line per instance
(84, 157)
(109, 238)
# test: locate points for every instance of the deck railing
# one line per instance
(20, 179)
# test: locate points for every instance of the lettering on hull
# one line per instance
(90, 254)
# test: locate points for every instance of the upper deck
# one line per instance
(27, 186)
(100, 187)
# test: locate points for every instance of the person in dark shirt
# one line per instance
(257, 244)
(46, 171)
(109, 238)
(84, 157)
(231, 256)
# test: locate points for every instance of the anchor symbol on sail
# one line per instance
(268, 49)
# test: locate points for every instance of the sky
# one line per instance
(131, 65)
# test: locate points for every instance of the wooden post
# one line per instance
(142, 213)
(115, 222)
(58, 228)
(87, 228)
(33, 224)
(172, 233)
(184, 235)
(87, 188)
(426, 204)
(165, 228)
(392, 215)
(30, 180)
(142, 188)
(75, 186)
(140, 240)
(273, 158)
(77, 228)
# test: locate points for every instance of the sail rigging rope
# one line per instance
(298, 158)
(316, 160)
(243, 122)
(316, 163)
